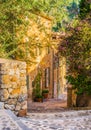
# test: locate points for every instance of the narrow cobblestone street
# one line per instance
(45, 64)
(54, 115)
(68, 120)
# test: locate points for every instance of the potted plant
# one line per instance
(45, 93)
(37, 92)
(39, 98)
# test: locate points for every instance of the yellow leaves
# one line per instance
(88, 67)
(35, 34)
(90, 52)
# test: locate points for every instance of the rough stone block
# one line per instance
(14, 78)
(24, 105)
(11, 72)
(22, 113)
(10, 107)
(5, 86)
(6, 79)
(11, 101)
(18, 108)
(22, 97)
(13, 85)
(24, 90)
(16, 91)
(4, 94)
(23, 83)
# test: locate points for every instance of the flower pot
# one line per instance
(45, 95)
(38, 99)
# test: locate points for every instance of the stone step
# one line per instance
(11, 121)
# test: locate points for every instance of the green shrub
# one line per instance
(45, 91)
(81, 83)
(38, 96)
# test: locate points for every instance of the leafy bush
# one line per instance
(45, 91)
(81, 83)
(76, 48)
(37, 92)
(85, 8)
(38, 96)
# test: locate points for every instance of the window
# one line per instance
(47, 77)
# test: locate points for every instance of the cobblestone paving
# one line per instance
(71, 120)
(6, 122)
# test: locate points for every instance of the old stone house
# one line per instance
(53, 72)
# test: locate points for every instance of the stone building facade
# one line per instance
(46, 66)
(13, 89)
(53, 75)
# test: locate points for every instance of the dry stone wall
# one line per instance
(13, 89)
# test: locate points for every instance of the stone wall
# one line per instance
(69, 97)
(74, 100)
(13, 90)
